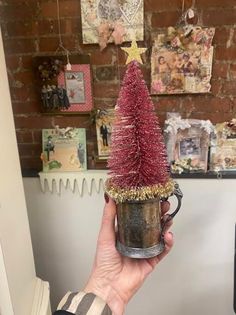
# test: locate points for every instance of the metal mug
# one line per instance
(140, 230)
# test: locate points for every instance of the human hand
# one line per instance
(116, 278)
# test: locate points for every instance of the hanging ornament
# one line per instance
(68, 66)
(134, 52)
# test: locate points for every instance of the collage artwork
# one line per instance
(182, 64)
(115, 21)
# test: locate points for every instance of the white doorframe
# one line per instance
(18, 282)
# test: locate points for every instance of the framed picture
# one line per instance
(104, 121)
(77, 83)
(64, 150)
(182, 63)
(223, 148)
(189, 147)
(62, 89)
(187, 142)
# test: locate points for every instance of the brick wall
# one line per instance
(29, 28)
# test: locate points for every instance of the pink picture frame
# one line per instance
(77, 82)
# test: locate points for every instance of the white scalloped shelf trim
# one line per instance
(75, 181)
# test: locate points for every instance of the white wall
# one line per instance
(196, 278)
(17, 273)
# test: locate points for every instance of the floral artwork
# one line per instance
(105, 21)
(187, 142)
(182, 62)
(64, 149)
(104, 121)
(223, 148)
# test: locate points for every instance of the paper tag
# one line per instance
(190, 13)
(68, 67)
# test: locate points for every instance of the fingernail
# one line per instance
(106, 197)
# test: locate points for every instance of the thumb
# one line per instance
(107, 231)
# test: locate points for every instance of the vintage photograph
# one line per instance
(77, 83)
(104, 121)
(75, 87)
(189, 147)
(182, 65)
(64, 150)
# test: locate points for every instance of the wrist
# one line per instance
(107, 294)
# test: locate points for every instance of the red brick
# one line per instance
(71, 26)
(37, 136)
(214, 117)
(167, 104)
(46, 27)
(161, 118)
(103, 103)
(24, 136)
(215, 3)
(25, 78)
(38, 122)
(68, 8)
(219, 17)
(29, 149)
(232, 72)
(220, 70)
(161, 5)
(20, 28)
(164, 19)
(212, 104)
(23, 94)
(227, 54)
(234, 106)
(234, 37)
(26, 107)
(229, 88)
(81, 121)
(19, 46)
(106, 90)
(29, 163)
(221, 36)
(18, 12)
(216, 87)
(49, 9)
(102, 58)
(18, 63)
(50, 44)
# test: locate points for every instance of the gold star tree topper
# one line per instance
(134, 52)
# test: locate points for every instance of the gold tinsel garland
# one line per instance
(120, 195)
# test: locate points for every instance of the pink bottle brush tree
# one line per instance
(138, 164)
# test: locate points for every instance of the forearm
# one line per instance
(82, 303)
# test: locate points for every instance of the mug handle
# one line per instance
(179, 195)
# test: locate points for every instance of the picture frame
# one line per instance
(223, 147)
(182, 62)
(64, 150)
(104, 122)
(187, 142)
(54, 87)
(77, 83)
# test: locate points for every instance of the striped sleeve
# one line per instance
(81, 303)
